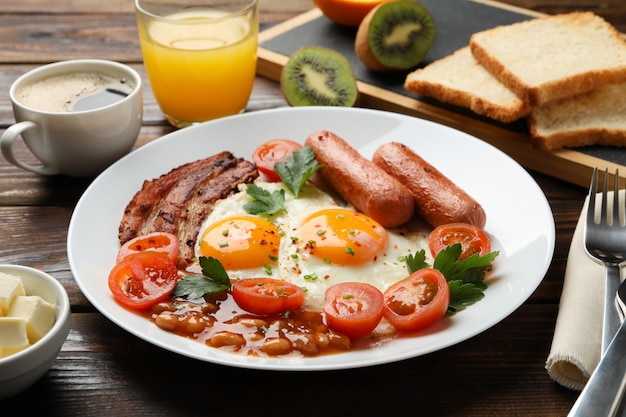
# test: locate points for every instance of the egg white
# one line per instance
(295, 265)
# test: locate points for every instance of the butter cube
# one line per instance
(37, 312)
(13, 335)
(10, 287)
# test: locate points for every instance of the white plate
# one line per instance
(519, 220)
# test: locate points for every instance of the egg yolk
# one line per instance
(241, 242)
(342, 236)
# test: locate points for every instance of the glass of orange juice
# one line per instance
(200, 56)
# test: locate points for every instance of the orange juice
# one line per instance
(201, 66)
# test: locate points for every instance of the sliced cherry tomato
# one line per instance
(418, 301)
(472, 239)
(267, 295)
(271, 152)
(353, 308)
(143, 279)
(156, 241)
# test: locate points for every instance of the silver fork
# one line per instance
(606, 241)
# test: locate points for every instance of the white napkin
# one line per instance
(576, 345)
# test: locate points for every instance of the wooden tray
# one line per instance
(455, 20)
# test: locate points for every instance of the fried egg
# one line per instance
(329, 246)
(314, 243)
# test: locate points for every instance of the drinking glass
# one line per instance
(200, 56)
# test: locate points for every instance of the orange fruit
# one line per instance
(347, 12)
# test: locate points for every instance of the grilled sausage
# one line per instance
(437, 199)
(364, 185)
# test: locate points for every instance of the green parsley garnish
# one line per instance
(297, 169)
(263, 201)
(465, 277)
(415, 262)
(214, 280)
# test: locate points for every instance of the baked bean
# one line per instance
(209, 308)
(275, 346)
(193, 322)
(161, 307)
(339, 341)
(253, 322)
(166, 321)
(256, 336)
(321, 328)
(322, 339)
(306, 344)
(226, 338)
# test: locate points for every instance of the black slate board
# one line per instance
(455, 22)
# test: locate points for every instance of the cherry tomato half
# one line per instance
(156, 241)
(353, 308)
(271, 152)
(143, 279)
(418, 301)
(267, 295)
(472, 239)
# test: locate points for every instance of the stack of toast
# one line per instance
(565, 74)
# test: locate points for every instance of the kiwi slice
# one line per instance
(395, 35)
(317, 76)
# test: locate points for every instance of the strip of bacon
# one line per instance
(198, 207)
(185, 195)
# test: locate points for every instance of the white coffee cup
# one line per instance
(74, 142)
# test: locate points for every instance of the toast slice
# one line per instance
(460, 80)
(553, 57)
(592, 118)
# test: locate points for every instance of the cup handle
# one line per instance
(6, 145)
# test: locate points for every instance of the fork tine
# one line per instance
(605, 190)
(616, 220)
(593, 190)
(624, 206)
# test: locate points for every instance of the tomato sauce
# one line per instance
(223, 324)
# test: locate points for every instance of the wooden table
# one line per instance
(103, 370)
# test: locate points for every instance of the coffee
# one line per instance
(76, 91)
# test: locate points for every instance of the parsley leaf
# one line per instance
(196, 286)
(465, 277)
(297, 169)
(471, 269)
(215, 280)
(264, 201)
(416, 262)
(462, 295)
